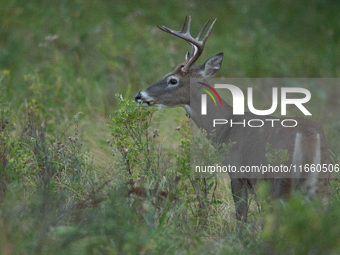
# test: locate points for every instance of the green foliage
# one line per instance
(41, 180)
(297, 227)
(132, 137)
(138, 160)
(183, 158)
(29, 156)
(15, 154)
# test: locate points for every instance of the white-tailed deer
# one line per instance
(305, 143)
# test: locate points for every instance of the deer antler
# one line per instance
(196, 44)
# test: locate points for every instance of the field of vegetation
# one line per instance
(85, 170)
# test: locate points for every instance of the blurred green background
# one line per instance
(85, 51)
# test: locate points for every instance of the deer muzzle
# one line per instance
(144, 101)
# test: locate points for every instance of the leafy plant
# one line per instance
(132, 138)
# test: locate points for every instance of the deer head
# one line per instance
(174, 88)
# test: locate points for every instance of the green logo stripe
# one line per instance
(209, 94)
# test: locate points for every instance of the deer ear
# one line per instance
(211, 66)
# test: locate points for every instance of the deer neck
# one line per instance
(205, 122)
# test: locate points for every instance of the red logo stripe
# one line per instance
(213, 90)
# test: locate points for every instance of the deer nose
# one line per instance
(138, 97)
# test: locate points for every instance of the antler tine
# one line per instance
(209, 31)
(189, 25)
(170, 31)
(185, 23)
(179, 34)
(202, 30)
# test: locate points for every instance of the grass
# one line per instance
(59, 58)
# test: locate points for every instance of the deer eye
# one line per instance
(173, 81)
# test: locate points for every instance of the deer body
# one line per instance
(305, 143)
